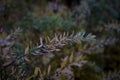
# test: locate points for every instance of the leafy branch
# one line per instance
(48, 45)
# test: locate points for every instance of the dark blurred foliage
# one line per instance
(46, 40)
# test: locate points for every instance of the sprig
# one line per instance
(48, 44)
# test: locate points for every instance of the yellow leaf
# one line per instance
(79, 58)
(37, 70)
(27, 50)
(71, 58)
(64, 62)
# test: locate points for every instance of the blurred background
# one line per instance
(45, 18)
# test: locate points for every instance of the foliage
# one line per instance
(17, 60)
(48, 22)
(52, 41)
(112, 76)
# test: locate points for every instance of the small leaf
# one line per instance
(56, 37)
(48, 38)
(90, 37)
(49, 69)
(64, 62)
(27, 50)
(77, 64)
(37, 70)
(71, 58)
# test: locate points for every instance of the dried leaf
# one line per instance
(49, 69)
(71, 58)
(27, 50)
(64, 62)
(37, 71)
(48, 38)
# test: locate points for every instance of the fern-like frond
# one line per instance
(48, 45)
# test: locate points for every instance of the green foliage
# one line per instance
(48, 22)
